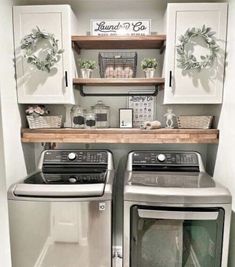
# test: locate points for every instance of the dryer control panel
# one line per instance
(166, 158)
(177, 161)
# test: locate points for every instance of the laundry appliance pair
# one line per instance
(174, 214)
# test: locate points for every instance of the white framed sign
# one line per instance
(120, 27)
(143, 109)
(125, 117)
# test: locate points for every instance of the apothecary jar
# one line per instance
(102, 114)
(90, 119)
(77, 117)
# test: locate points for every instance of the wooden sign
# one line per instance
(120, 27)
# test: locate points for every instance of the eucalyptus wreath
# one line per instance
(29, 43)
(186, 60)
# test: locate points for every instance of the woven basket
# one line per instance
(44, 122)
(195, 122)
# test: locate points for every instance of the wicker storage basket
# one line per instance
(195, 122)
(44, 122)
(118, 64)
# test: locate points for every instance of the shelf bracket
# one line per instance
(162, 49)
(154, 93)
(48, 145)
(76, 47)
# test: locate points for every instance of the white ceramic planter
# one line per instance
(86, 73)
(149, 73)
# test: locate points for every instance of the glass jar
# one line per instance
(77, 117)
(102, 114)
(90, 119)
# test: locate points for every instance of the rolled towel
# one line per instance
(149, 125)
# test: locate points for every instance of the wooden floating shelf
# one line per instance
(121, 136)
(118, 42)
(118, 81)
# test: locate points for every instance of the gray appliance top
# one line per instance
(171, 177)
(68, 173)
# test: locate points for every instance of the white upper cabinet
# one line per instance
(193, 85)
(36, 86)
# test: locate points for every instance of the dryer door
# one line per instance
(176, 237)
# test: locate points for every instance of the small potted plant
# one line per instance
(149, 66)
(36, 110)
(87, 66)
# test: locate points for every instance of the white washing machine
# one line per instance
(175, 214)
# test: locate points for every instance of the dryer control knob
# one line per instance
(161, 157)
(72, 156)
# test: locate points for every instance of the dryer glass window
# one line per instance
(176, 237)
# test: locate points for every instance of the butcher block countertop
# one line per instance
(121, 136)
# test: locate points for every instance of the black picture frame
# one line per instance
(126, 118)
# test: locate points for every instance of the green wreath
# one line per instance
(186, 60)
(29, 42)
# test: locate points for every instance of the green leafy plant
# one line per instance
(149, 63)
(186, 60)
(87, 64)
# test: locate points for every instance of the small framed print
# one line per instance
(125, 117)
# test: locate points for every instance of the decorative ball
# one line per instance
(109, 72)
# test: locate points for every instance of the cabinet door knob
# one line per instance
(170, 79)
(66, 78)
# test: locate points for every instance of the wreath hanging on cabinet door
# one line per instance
(186, 60)
(52, 54)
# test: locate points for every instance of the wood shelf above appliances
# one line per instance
(121, 136)
(118, 81)
(118, 42)
(158, 84)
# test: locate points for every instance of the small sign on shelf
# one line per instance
(121, 27)
(125, 117)
(143, 108)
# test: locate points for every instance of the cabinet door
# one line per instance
(33, 85)
(193, 86)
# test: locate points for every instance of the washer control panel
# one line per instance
(164, 158)
(75, 157)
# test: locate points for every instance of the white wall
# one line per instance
(12, 166)
(225, 162)
(4, 228)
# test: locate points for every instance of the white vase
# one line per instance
(149, 73)
(86, 73)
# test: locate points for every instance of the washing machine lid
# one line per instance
(62, 178)
(172, 188)
(41, 184)
(81, 190)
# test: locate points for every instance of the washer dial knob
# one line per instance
(72, 156)
(161, 157)
(72, 180)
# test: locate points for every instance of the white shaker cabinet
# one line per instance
(193, 86)
(36, 86)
